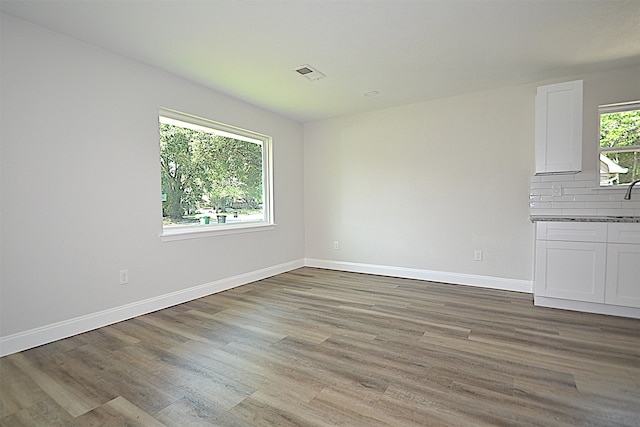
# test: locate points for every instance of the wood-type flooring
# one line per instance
(316, 347)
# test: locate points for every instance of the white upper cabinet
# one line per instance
(559, 128)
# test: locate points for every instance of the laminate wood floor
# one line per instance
(315, 347)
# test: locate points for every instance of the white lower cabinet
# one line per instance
(623, 265)
(623, 275)
(571, 270)
(570, 260)
(588, 262)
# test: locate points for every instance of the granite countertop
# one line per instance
(535, 218)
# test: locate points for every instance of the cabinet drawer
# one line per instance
(624, 233)
(572, 231)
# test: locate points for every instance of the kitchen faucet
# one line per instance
(628, 195)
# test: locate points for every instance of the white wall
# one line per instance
(424, 185)
(414, 190)
(81, 183)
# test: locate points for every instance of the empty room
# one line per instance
(320, 213)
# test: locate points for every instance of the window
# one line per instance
(215, 177)
(619, 143)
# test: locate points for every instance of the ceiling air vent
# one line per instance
(309, 72)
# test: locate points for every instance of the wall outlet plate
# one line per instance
(124, 277)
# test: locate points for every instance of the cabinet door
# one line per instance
(570, 270)
(623, 274)
(559, 128)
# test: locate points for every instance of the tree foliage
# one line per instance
(204, 169)
(621, 130)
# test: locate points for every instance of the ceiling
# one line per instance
(408, 51)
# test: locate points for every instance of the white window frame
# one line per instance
(214, 229)
(614, 108)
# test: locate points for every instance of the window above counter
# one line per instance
(619, 143)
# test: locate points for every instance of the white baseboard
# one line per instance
(589, 307)
(430, 275)
(56, 331)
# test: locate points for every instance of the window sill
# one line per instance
(619, 187)
(212, 231)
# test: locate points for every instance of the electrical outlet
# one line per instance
(336, 245)
(557, 190)
(124, 277)
(477, 255)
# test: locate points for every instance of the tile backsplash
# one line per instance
(579, 195)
